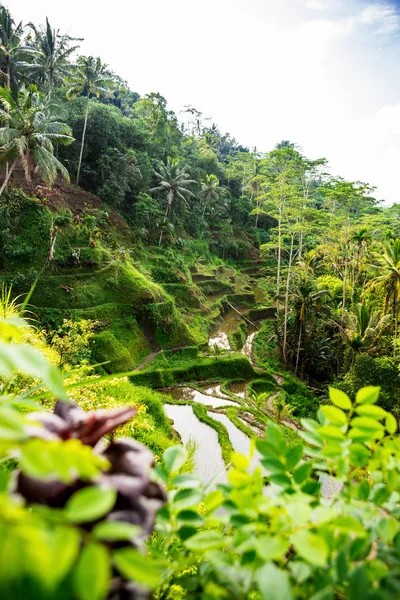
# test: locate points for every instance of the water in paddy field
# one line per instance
(247, 349)
(230, 323)
(239, 389)
(239, 441)
(208, 456)
(188, 393)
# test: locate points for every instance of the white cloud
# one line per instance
(316, 4)
(264, 70)
(383, 17)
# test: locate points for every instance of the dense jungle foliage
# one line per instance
(130, 238)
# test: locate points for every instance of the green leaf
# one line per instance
(334, 415)
(359, 584)
(312, 438)
(294, 455)
(368, 395)
(190, 516)
(187, 498)
(186, 481)
(174, 458)
(339, 399)
(273, 465)
(28, 360)
(310, 425)
(366, 423)
(300, 571)
(93, 573)
(274, 435)
(116, 531)
(391, 424)
(212, 501)
(370, 410)
(331, 432)
(205, 540)
(387, 529)
(281, 480)
(136, 567)
(303, 472)
(310, 547)
(271, 547)
(89, 504)
(273, 583)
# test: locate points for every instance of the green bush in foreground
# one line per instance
(277, 537)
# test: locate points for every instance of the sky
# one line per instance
(321, 73)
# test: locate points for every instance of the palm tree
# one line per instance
(30, 134)
(359, 239)
(174, 182)
(10, 46)
(306, 299)
(389, 262)
(363, 328)
(51, 53)
(209, 190)
(91, 78)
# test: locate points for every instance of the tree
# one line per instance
(51, 52)
(305, 299)
(173, 182)
(10, 47)
(209, 190)
(91, 78)
(363, 328)
(30, 135)
(389, 263)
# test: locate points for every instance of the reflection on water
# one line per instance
(188, 393)
(239, 389)
(239, 441)
(230, 323)
(220, 339)
(247, 349)
(208, 455)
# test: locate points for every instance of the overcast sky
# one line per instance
(321, 73)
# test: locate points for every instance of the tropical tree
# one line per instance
(363, 328)
(209, 190)
(359, 239)
(90, 78)
(173, 182)
(389, 264)
(305, 300)
(30, 133)
(10, 47)
(51, 52)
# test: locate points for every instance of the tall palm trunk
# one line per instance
(8, 175)
(346, 263)
(50, 83)
(83, 140)
(206, 201)
(302, 311)
(165, 220)
(278, 271)
(285, 327)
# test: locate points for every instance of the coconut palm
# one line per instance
(51, 53)
(363, 328)
(174, 182)
(359, 238)
(305, 299)
(29, 135)
(10, 46)
(389, 264)
(209, 190)
(90, 78)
